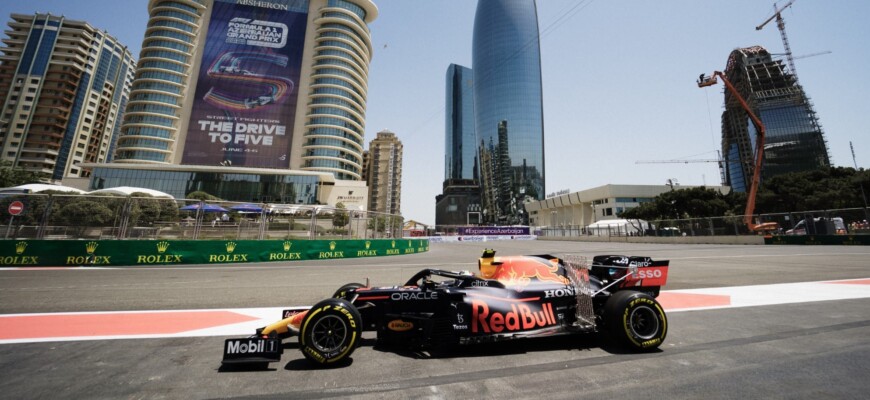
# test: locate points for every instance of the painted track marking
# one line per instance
(52, 327)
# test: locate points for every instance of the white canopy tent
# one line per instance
(40, 187)
(618, 227)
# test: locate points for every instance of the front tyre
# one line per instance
(344, 291)
(635, 320)
(330, 332)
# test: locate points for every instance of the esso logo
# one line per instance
(649, 273)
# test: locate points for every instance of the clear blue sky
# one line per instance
(618, 80)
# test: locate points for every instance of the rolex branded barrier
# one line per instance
(55, 253)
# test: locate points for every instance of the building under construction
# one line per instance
(794, 140)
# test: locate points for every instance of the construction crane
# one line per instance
(719, 161)
(704, 81)
(821, 53)
(780, 23)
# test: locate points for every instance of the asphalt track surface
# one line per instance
(818, 349)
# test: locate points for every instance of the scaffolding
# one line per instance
(795, 139)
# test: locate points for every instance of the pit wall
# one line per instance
(63, 253)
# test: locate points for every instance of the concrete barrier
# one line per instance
(742, 240)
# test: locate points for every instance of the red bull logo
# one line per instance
(519, 318)
(520, 271)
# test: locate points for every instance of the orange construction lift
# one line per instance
(704, 81)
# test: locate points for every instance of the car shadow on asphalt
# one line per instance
(500, 348)
(245, 367)
(302, 364)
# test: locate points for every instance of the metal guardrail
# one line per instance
(126, 217)
(852, 221)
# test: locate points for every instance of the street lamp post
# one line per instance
(863, 194)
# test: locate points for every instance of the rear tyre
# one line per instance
(635, 320)
(341, 293)
(330, 332)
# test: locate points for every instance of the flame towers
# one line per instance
(508, 107)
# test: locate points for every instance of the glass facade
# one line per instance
(508, 107)
(295, 189)
(159, 83)
(794, 139)
(460, 141)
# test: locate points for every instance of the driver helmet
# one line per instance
(486, 264)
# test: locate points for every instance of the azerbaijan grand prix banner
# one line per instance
(246, 95)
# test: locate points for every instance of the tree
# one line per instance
(146, 210)
(698, 202)
(83, 213)
(828, 188)
(340, 216)
(377, 224)
(12, 176)
(200, 195)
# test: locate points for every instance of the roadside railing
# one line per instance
(57, 216)
(854, 221)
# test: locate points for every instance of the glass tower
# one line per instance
(460, 142)
(508, 106)
(794, 140)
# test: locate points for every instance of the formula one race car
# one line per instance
(513, 297)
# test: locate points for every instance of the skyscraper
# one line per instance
(269, 84)
(794, 140)
(384, 172)
(508, 106)
(461, 188)
(63, 88)
(460, 142)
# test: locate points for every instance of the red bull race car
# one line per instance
(512, 297)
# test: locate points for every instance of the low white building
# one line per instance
(579, 209)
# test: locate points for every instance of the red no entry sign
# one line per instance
(16, 207)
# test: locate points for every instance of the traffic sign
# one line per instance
(16, 207)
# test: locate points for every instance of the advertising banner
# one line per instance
(493, 230)
(246, 95)
(74, 253)
(455, 239)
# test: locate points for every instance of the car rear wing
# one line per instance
(631, 272)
